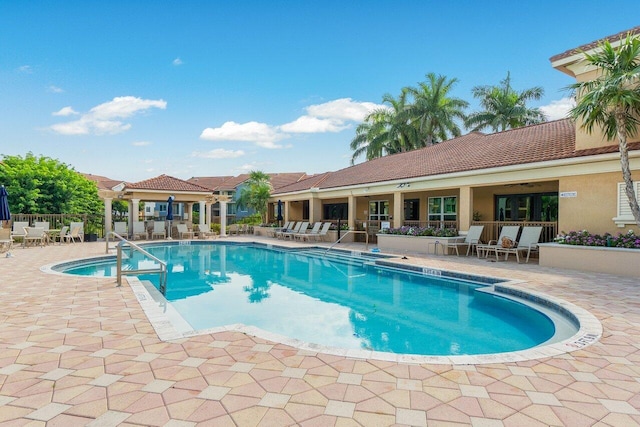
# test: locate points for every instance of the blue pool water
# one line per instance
(334, 301)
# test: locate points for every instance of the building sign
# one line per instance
(569, 194)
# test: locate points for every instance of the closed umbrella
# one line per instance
(279, 218)
(5, 215)
(170, 212)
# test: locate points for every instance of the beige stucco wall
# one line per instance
(595, 204)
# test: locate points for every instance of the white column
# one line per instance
(223, 218)
(134, 211)
(208, 209)
(203, 212)
(107, 215)
(352, 214)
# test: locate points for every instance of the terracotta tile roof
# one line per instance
(279, 180)
(232, 183)
(210, 182)
(166, 182)
(102, 182)
(594, 44)
(474, 151)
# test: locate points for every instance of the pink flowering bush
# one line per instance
(584, 238)
(421, 231)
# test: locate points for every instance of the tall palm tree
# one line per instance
(433, 111)
(504, 107)
(255, 193)
(612, 101)
(384, 130)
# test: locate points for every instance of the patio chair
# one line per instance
(158, 230)
(301, 230)
(293, 227)
(508, 231)
(17, 232)
(6, 242)
(34, 236)
(75, 234)
(471, 240)
(62, 236)
(80, 233)
(204, 232)
(233, 229)
(528, 242)
(272, 232)
(319, 235)
(139, 230)
(183, 231)
(314, 230)
(43, 224)
(120, 228)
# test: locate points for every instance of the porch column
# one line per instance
(223, 218)
(133, 212)
(398, 209)
(352, 212)
(107, 215)
(208, 213)
(315, 210)
(188, 208)
(465, 208)
(203, 212)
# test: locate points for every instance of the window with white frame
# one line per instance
(443, 208)
(625, 216)
(379, 210)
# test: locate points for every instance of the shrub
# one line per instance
(421, 231)
(584, 238)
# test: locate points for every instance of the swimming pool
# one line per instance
(339, 301)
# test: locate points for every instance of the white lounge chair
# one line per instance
(528, 242)
(17, 232)
(183, 232)
(319, 235)
(34, 236)
(204, 232)
(64, 231)
(508, 231)
(75, 234)
(120, 228)
(272, 232)
(139, 231)
(43, 224)
(471, 240)
(301, 230)
(314, 230)
(293, 227)
(80, 230)
(158, 230)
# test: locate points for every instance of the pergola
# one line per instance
(159, 189)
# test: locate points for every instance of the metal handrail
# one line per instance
(162, 270)
(366, 247)
(112, 234)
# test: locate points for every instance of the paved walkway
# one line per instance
(80, 351)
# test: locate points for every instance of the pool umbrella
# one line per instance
(279, 218)
(5, 215)
(170, 212)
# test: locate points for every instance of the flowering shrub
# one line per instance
(584, 238)
(421, 231)
(344, 226)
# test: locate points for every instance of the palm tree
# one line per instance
(255, 193)
(384, 130)
(612, 101)
(433, 112)
(504, 107)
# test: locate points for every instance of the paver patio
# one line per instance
(80, 351)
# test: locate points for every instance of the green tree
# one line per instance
(385, 130)
(611, 101)
(255, 193)
(41, 185)
(434, 112)
(504, 108)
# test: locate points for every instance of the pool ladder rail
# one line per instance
(127, 270)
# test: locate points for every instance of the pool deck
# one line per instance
(78, 351)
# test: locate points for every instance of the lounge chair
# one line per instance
(508, 231)
(233, 229)
(75, 234)
(471, 240)
(204, 232)
(319, 235)
(314, 230)
(158, 230)
(183, 232)
(293, 227)
(43, 224)
(302, 230)
(17, 232)
(528, 242)
(62, 236)
(34, 236)
(272, 232)
(80, 233)
(6, 242)
(139, 230)
(120, 228)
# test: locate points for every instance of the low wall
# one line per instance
(619, 261)
(416, 244)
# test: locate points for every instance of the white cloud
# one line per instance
(343, 108)
(218, 153)
(66, 111)
(103, 119)
(25, 69)
(247, 167)
(55, 89)
(177, 61)
(558, 109)
(308, 124)
(260, 133)
(141, 143)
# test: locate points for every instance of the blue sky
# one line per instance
(134, 89)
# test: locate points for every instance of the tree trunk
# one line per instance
(626, 170)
